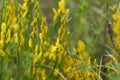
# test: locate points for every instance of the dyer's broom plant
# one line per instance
(28, 52)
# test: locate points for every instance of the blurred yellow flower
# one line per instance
(116, 26)
(61, 5)
(21, 40)
(1, 44)
(36, 48)
(80, 46)
(52, 49)
(16, 38)
(8, 35)
(3, 27)
(30, 43)
(43, 75)
(56, 14)
(2, 52)
(26, 1)
(55, 73)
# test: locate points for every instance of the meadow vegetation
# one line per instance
(79, 40)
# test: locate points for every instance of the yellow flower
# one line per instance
(24, 7)
(32, 1)
(81, 46)
(37, 5)
(70, 76)
(1, 44)
(15, 27)
(90, 76)
(16, 38)
(61, 5)
(34, 22)
(55, 73)
(30, 43)
(52, 56)
(116, 28)
(52, 49)
(2, 52)
(33, 34)
(26, 1)
(118, 41)
(36, 48)
(3, 27)
(67, 11)
(21, 40)
(43, 74)
(2, 35)
(68, 63)
(56, 14)
(8, 36)
(37, 57)
(57, 42)
(41, 38)
(114, 16)
(45, 30)
(61, 32)
(89, 61)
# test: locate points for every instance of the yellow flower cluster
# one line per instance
(2, 39)
(42, 37)
(116, 25)
(27, 32)
(62, 9)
